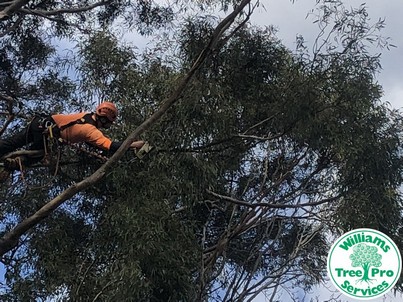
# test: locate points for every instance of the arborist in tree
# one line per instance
(68, 128)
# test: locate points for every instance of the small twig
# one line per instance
(103, 289)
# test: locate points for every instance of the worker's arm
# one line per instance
(134, 145)
(99, 140)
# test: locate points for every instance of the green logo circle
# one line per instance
(364, 264)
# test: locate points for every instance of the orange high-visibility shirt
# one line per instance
(79, 133)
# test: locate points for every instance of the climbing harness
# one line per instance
(54, 134)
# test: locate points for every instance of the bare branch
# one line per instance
(64, 10)
(12, 8)
(270, 205)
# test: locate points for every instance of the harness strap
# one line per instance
(52, 131)
(86, 119)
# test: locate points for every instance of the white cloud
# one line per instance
(291, 20)
(325, 293)
(394, 95)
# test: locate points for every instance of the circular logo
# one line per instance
(364, 264)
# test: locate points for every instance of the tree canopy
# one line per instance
(263, 153)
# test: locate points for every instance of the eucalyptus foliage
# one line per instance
(269, 154)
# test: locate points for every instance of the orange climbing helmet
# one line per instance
(107, 109)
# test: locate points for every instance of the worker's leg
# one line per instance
(10, 144)
(14, 142)
(38, 143)
(32, 135)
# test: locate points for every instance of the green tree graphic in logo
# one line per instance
(365, 256)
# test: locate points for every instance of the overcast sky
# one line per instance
(291, 20)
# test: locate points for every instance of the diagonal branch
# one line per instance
(12, 8)
(10, 239)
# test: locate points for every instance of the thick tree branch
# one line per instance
(18, 6)
(12, 8)
(11, 238)
(32, 153)
(72, 10)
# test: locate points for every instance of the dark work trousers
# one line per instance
(32, 135)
